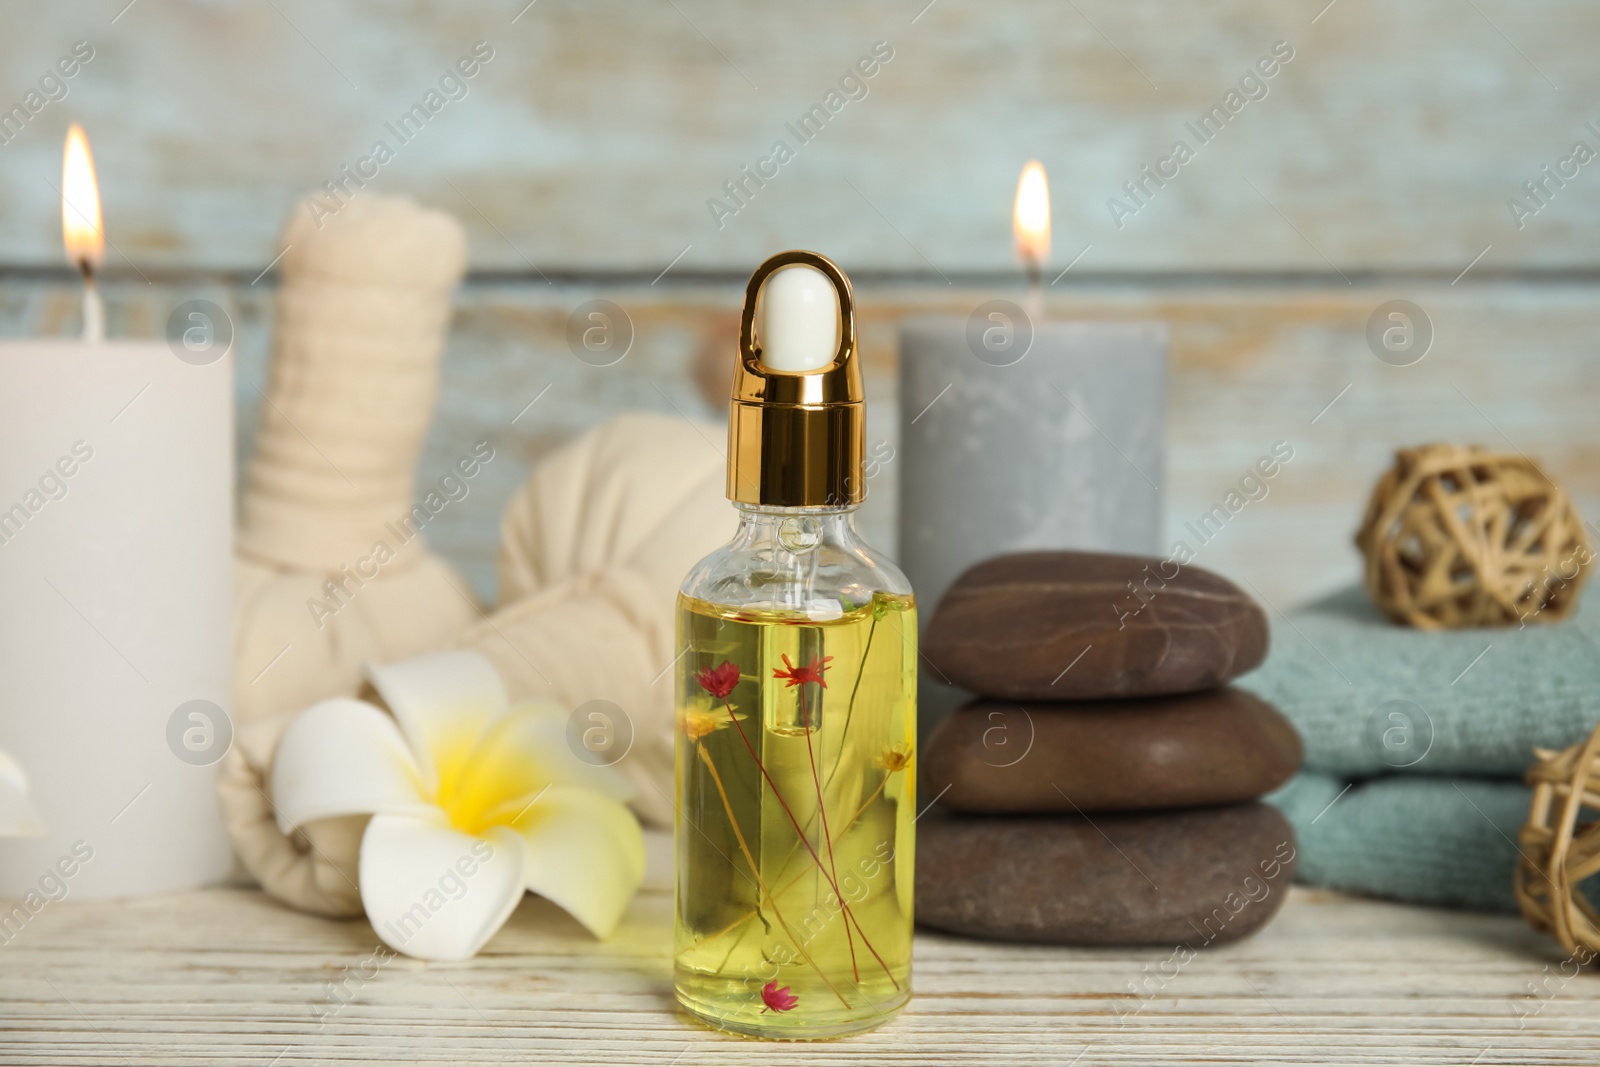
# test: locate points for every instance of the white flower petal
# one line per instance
(435, 893)
(17, 817)
(585, 852)
(343, 757)
(443, 702)
(527, 750)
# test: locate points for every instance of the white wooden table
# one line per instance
(228, 976)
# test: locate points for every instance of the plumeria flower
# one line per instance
(777, 999)
(473, 802)
(17, 817)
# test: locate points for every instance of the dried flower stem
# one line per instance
(827, 835)
(850, 708)
(756, 871)
(862, 810)
(844, 905)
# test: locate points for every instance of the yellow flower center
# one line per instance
(486, 782)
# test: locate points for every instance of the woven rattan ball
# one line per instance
(1457, 535)
(1558, 851)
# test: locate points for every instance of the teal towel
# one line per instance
(1442, 841)
(1371, 697)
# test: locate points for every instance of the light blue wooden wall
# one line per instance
(1378, 165)
(596, 134)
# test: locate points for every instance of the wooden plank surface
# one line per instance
(599, 130)
(227, 976)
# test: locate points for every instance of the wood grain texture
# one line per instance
(227, 976)
(599, 130)
(1511, 367)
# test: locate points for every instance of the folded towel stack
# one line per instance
(1416, 743)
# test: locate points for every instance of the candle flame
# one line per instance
(1030, 219)
(80, 203)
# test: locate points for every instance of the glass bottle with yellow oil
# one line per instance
(796, 698)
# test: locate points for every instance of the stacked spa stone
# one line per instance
(1102, 789)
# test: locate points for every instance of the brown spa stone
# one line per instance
(1220, 746)
(1070, 626)
(1195, 877)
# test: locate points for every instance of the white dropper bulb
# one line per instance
(798, 320)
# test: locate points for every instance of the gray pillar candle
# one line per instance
(1010, 446)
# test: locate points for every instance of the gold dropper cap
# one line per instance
(797, 439)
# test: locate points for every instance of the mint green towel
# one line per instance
(1416, 743)
(1371, 697)
(1442, 841)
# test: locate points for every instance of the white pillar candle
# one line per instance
(1012, 445)
(116, 520)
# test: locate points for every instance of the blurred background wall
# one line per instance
(1388, 156)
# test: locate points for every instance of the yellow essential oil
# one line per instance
(796, 698)
(796, 805)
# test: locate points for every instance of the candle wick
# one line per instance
(1034, 268)
(94, 312)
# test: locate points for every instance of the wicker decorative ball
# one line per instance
(1558, 851)
(1458, 535)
